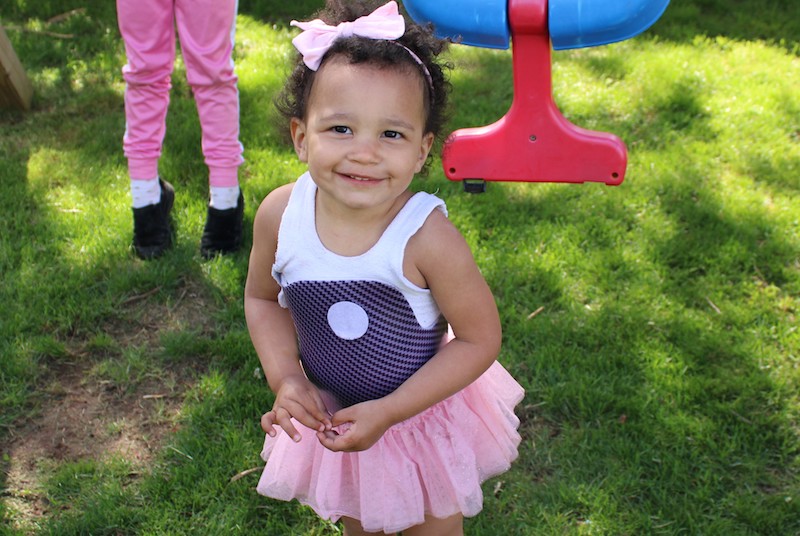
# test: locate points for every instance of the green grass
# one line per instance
(663, 390)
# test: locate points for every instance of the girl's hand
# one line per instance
(366, 422)
(296, 398)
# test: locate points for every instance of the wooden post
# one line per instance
(15, 87)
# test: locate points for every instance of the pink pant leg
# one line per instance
(206, 31)
(148, 31)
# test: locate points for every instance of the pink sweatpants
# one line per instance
(206, 30)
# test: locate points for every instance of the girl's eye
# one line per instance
(340, 129)
(393, 134)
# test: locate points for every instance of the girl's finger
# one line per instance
(267, 420)
(284, 420)
(343, 416)
(305, 417)
(333, 441)
(319, 410)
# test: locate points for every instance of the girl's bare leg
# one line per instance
(352, 527)
(433, 526)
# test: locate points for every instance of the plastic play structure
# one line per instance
(533, 142)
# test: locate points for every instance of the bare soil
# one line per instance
(82, 416)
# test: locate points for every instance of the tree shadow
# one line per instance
(675, 114)
(607, 362)
(279, 12)
(773, 21)
(594, 358)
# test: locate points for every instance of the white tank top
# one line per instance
(363, 327)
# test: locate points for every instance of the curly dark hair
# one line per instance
(293, 99)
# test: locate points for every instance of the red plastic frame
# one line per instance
(533, 142)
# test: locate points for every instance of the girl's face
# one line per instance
(363, 136)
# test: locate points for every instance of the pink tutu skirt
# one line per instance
(431, 464)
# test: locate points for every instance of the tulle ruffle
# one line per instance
(431, 464)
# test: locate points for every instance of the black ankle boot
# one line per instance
(223, 231)
(152, 229)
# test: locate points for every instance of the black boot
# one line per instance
(152, 229)
(223, 230)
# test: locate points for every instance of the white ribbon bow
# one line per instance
(317, 37)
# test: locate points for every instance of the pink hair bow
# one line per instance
(317, 37)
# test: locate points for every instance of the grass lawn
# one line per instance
(654, 325)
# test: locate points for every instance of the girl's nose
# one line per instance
(365, 150)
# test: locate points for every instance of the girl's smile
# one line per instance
(363, 137)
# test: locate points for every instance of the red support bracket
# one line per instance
(533, 142)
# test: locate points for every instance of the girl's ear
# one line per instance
(298, 131)
(424, 149)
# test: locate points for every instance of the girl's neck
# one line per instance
(353, 232)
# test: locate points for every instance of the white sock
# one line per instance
(145, 192)
(223, 198)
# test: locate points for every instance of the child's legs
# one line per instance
(352, 527)
(206, 29)
(148, 31)
(433, 526)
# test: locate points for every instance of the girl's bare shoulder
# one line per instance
(437, 248)
(271, 209)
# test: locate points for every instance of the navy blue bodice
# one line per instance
(359, 340)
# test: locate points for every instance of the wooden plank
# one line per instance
(16, 89)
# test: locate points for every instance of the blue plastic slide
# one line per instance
(572, 23)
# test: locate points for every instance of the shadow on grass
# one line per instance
(279, 12)
(771, 20)
(714, 408)
(635, 365)
(262, 127)
(673, 115)
(594, 354)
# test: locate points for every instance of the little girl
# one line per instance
(382, 416)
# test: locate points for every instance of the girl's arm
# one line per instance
(439, 256)
(272, 330)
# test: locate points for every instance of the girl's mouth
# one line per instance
(359, 178)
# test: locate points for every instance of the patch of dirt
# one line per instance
(84, 417)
